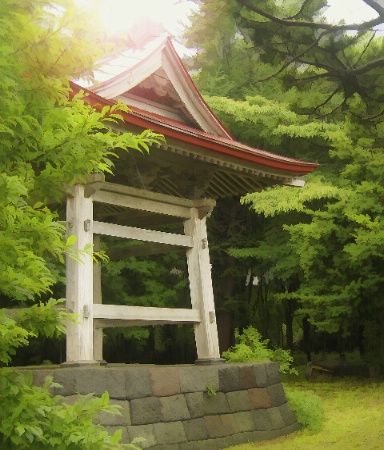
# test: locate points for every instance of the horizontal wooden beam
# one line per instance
(140, 234)
(141, 204)
(106, 316)
(111, 323)
(142, 200)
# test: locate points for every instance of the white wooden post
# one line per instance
(80, 279)
(200, 282)
(97, 298)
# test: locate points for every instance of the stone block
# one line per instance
(145, 410)
(291, 428)
(229, 378)
(218, 443)
(230, 423)
(174, 408)
(243, 421)
(67, 378)
(137, 382)
(90, 379)
(71, 399)
(261, 376)
(259, 398)
(145, 432)
(247, 437)
(261, 419)
(287, 414)
(247, 376)
(123, 418)
(164, 381)
(195, 401)
(239, 401)
(276, 418)
(215, 404)
(266, 435)
(216, 427)
(116, 383)
(210, 444)
(277, 394)
(195, 429)
(248, 402)
(273, 373)
(39, 376)
(197, 378)
(112, 430)
(169, 433)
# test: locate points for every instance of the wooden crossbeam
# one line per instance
(140, 234)
(106, 316)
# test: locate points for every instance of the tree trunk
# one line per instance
(307, 338)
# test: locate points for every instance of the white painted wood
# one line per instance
(156, 196)
(84, 339)
(297, 182)
(141, 204)
(145, 314)
(141, 200)
(112, 323)
(97, 299)
(200, 282)
(80, 278)
(140, 234)
(124, 81)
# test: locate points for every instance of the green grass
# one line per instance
(354, 418)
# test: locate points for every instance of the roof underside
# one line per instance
(200, 158)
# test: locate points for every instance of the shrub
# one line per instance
(307, 406)
(252, 348)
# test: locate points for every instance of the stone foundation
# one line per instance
(185, 407)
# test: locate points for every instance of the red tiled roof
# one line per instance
(205, 141)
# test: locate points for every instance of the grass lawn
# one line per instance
(354, 418)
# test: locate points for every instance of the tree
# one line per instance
(315, 93)
(48, 141)
(346, 58)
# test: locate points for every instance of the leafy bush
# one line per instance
(252, 348)
(30, 418)
(307, 406)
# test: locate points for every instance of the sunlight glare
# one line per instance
(119, 15)
(351, 11)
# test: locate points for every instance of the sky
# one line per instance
(352, 11)
(118, 15)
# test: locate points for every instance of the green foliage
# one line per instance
(34, 419)
(313, 92)
(49, 142)
(158, 281)
(211, 391)
(307, 406)
(12, 336)
(46, 319)
(252, 348)
(354, 416)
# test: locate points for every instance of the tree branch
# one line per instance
(374, 5)
(365, 49)
(295, 58)
(377, 63)
(305, 3)
(328, 98)
(316, 25)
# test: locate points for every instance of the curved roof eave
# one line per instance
(163, 55)
(211, 143)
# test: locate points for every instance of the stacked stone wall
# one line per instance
(188, 407)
